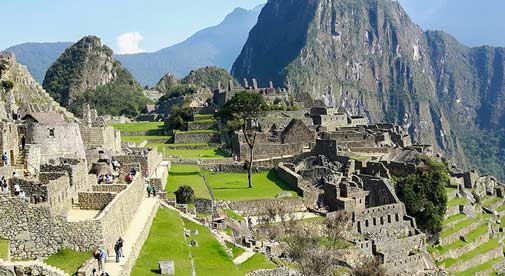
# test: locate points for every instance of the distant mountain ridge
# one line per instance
(37, 57)
(214, 46)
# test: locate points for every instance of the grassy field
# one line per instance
(68, 260)
(462, 224)
(151, 139)
(233, 186)
(235, 250)
(165, 242)
(209, 256)
(457, 201)
(188, 154)
(4, 249)
(258, 261)
(186, 175)
(140, 126)
(485, 266)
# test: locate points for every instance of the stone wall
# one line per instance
(201, 125)
(269, 150)
(113, 188)
(260, 207)
(477, 260)
(33, 231)
(196, 137)
(116, 217)
(95, 200)
(33, 268)
(147, 162)
(105, 137)
(290, 177)
(33, 156)
(204, 205)
(57, 140)
(374, 219)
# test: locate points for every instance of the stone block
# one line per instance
(167, 267)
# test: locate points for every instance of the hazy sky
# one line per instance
(154, 24)
(131, 26)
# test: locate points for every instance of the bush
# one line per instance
(179, 115)
(424, 194)
(185, 195)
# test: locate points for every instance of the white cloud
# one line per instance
(128, 43)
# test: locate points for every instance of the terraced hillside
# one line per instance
(471, 242)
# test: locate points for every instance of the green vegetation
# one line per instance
(186, 154)
(179, 115)
(457, 201)
(491, 244)
(186, 175)
(257, 261)
(68, 260)
(234, 186)
(230, 214)
(209, 77)
(470, 238)
(178, 90)
(4, 249)
(165, 242)
(424, 194)
(151, 139)
(235, 250)
(139, 126)
(482, 267)
(464, 223)
(185, 194)
(454, 218)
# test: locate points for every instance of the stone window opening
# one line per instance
(374, 221)
(396, 217)
(382, 221)
(389, 218)
(51, 132)
(366, 223)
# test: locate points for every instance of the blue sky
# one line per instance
(153, 23)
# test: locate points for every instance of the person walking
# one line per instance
(155, 189)
(149, 190)
(117, 250)
(23, 142)
(5, 159)
(99, 255)
(121, 243)
(94, 273)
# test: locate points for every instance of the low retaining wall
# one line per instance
(196, 137)
(261, 207)
(201, 125)
(95, 200)
(477, 260)
(113, 188)
(454, 237)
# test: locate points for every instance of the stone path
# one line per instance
(134, 233)
(288, 217)
(244, 256)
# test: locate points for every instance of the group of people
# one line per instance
(151, 189)
(99, 255)
(131, 174)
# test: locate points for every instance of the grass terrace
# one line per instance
(68, 260)
(186, 175)
(457, 201)
(235, 250)
(483, 267)
(470, 238)
(464, 223)
(165, 242)
(490, 245)
(139, 126)
(229, 213)
(150, 139)
(257, 261)
(198, 131)
(234, 186)
(4, 249)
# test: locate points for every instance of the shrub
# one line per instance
(185, 195)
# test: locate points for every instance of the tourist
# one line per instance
(115, 165)
(121, 243)
(104, 273)
(133, 172)
(109, 178)
(149, 190)
(23, 142)
(17, 189)
(3, 184)
(99, 255)
(128, 178)
(117, 251)
(155, 189)
(5, 159)
(94, 273)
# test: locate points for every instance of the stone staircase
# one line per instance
(20, 163)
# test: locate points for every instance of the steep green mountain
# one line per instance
(87, 72)
(209, 77)
(38, 56)
(218, 46)
(368, 56)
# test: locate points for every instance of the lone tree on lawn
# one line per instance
(242, 112)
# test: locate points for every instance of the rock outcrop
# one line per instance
(368, 56)
(26, 95)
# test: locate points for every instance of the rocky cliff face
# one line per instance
(369, 56)
(26, 94)
(83, 67)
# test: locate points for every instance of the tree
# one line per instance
(179, 115)
(243, 112)
(185, 194)
(7, 85)
(424, 194)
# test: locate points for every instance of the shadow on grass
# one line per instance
(156, 271)
(272, 176)
(184, 173)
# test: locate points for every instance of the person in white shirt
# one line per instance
(17, 189)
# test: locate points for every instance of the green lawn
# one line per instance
(172, 150)
(470, 238)
(453, 218)
(235, 250)
(464, 223)
(209, 256)
(491, 244)
(139, 139)
(4, 249)
(140, 126)
(257, 261)
(457, 201)
(165, 242)
(186, 175)
(233, 186)
(68, 260)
